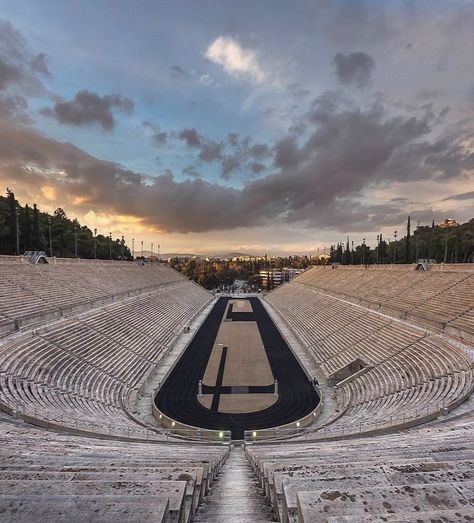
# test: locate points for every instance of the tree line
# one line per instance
(447, 243)
(25, 228)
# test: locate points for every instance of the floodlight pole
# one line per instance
(75, 241)
(50, 238)
(17, 219)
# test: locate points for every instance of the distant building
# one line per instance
(448, 222)
(278, 276)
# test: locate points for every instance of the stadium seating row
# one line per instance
(424, 474)
(45, 476)
(405, 372)
(79, 371)
(32, 294)
(440, 299)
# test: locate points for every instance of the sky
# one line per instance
(261, 126)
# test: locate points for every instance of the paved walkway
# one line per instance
(235, 497)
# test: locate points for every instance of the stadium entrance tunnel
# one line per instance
(225, 379)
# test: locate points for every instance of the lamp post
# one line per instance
(151, 253)
(110, 245)
(50, 238)
(395, 248)
(95, 243)
(352, 253)
(75, 241)
(122, 243)
(377, 248)
(363, 251)
(133, 248)
(416, 241)
(142, 248)
(17, 220)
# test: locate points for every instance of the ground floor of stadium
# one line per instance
(237, 374)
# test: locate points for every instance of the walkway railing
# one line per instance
(380, 425)
(108, 430)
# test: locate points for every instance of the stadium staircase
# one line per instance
(236, 496)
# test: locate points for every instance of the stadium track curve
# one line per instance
(177, 398)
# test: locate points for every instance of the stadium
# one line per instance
(236, 261)
(130, 393)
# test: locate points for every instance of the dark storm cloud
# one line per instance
(89, 108)
(318, 181)
(354, 68)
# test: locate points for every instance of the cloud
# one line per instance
(178, 73)
(191, 137)
(158, 136)
(461, 196)
(18, 67)
(40, 64)
(89, 108)
(319, 181)
(234, 59)
(211, 151)
(354, 68)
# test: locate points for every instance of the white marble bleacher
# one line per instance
(74, 374)
(424, 475)
(46, 476)
(410, 372)
(32, 294)
(436, 298)
(78, 371)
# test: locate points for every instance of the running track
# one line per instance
(177, 398)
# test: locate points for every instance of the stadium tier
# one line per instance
(401, 370)
(391, 440)
(421, 475)
(46, 476)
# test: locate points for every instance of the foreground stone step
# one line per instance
(444, 516)
(398, 501)
(171, 492)
(235, 496)
(81, 509)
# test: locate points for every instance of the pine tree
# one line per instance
(11, 222)
(407, 242)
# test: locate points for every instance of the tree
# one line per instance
(407, 242)
(26, 228)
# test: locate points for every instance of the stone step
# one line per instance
(400, 500)
(79, 509)
(235, 496)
